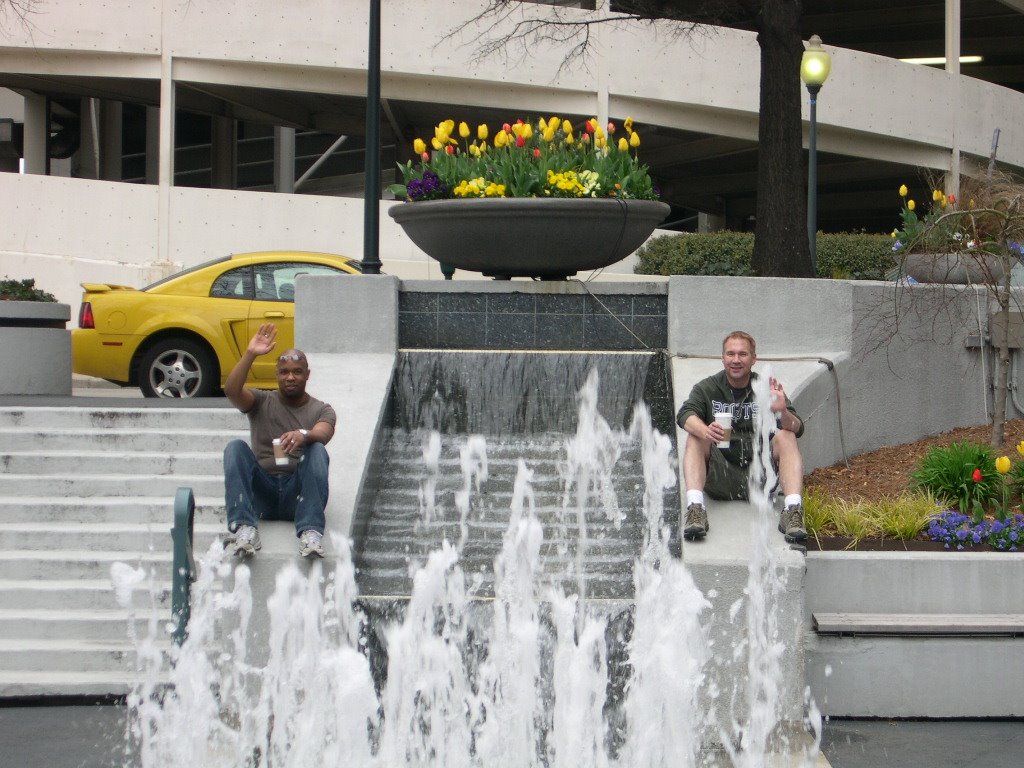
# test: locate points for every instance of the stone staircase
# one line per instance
(80, 489)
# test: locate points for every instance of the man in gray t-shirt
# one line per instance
(290, 484)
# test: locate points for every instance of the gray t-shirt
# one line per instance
(271, 417)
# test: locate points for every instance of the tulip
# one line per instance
(569, 139)
(449, 126)
(500, 139)
(634, 140)
(481, 132)
(611, 128)
(936, 195)
(506, 128)
(517, 129)
(520, 142)
(1020, 449)
(425, 157)
(554, 122)
(527, 132)
(1003, 465)
(628, 124)
(623, 145)
(598, 132)
(590, 125)
(952, 199)
(419, 146)
(463, 130)
(542, 124)
(435, 143)
(536, 152)
(474, 150)
(894, 233)
(903, 190)
(911, 205)
(976, 475)
(549, 134)
(566, 127)
(449, 149)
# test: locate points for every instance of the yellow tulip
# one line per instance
(1020, 449)
(527, 132)
(554, 122)
(623, 145)
(569, 139)
(481, 132)
(419, 146)
(542, 124)
(463, 130)
(894, 233)
(449, 126)
(936, 195)
(566, 127)
(628, 125)
(1003, 465)
(549, 134)
(441, 134)
(474, 150)
(598, 132)
(500, 139)
(903, 190)
(634, 140)
(436, 144)
(911, 204)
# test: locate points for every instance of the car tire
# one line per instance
(178, 367)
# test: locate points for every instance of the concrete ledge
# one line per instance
(35, 348)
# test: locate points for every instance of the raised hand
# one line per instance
(778, 395)
(264, 340)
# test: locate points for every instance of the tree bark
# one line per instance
(780, 235)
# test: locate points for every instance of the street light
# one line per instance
(814, 68)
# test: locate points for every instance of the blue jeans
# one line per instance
(252, 494)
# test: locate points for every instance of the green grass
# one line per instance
(902, 517)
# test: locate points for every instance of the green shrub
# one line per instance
(23, 290)
(843, 256)
(949, 472)
(903, 517)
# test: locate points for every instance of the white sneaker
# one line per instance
(311, 543)
(247, 540)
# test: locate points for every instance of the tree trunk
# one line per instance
(780, 235)
(1003, 363)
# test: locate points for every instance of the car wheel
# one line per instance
(178, 368)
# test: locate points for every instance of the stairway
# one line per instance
(80, 489)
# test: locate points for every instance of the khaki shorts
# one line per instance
(727, 481)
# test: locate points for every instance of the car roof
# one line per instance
(258, 257)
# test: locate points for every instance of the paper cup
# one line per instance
(725, 419)
(280, 457)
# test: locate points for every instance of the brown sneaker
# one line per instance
(791, 523)
(696, 526)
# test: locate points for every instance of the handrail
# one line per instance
(183, 565)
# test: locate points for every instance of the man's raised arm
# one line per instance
(234, 387)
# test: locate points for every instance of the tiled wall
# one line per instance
(526, 320)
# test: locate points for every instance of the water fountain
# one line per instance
(520, 664)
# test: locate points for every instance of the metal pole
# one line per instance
(371, 203)
(812, 181)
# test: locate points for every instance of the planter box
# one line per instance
(934, 673)
(952, 268)
(35, 348)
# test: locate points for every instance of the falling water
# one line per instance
(524, 680)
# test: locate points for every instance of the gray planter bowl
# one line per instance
(953, 268)
(549, 238)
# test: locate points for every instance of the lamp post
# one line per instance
(371, 197)
(814, 68)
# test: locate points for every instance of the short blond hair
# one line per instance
(741, 335)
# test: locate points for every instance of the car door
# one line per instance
(274, 302)
(235, 287)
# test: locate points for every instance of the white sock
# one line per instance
(695, 497)
(792, 500)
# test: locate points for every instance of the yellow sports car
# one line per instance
(181, 336)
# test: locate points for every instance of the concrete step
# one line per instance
(92, 418)
(82, 594)
(106, 509)
(108, 626)
(78, 564)
(131, 485)
(127, 538)
(49, 683)
(68, 655)
(88, 462)
(169, 439)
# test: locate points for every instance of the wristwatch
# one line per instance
(305, 432)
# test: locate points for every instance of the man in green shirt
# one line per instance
(723, 471)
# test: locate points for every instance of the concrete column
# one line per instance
(223, 153)
(284, 159)
(86, 162)
(111, 140)
(37, 126)
(152, 145)
(165, 176)
(710, 222)
(952, 177)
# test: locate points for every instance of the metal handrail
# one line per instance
(183, 565)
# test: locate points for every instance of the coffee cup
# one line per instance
(280, 457)
(725, 419)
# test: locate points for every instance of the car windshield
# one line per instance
(197, 267)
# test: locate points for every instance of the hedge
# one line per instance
(843, 256)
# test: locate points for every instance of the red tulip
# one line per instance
(449, 149)
(506, 128)
(536, 151)
(951, 198)
(520, 141)
(976, 476)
